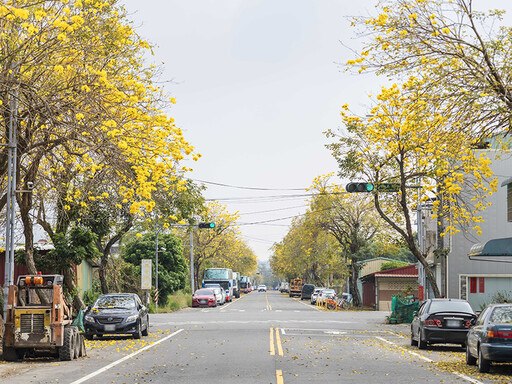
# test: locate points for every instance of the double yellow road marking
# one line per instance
(277, 342)
(279, 373)
(269, 308)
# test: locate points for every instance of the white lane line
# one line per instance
(282, 331)
(311, 306)
(464, 377)
(106, 368)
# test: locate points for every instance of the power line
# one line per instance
(249, 188)
(273, 210)
(272, 197)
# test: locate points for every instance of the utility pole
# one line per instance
(192, 260)
(10, 212)
(156, 266)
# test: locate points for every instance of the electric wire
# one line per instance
(247, 188)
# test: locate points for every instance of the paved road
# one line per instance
(263, 338)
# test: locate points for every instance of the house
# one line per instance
(478, 279)
(369, 266)
(379, 287)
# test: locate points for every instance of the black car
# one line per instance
(440, 321)
(490, 339)
(307, 291)
(117, 313)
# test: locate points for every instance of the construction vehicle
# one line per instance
(39, 320)
(296, 287)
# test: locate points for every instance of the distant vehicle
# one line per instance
(307, 291)
(490, 339)
(221, 276)
(245, 284)
(315, 293)
(284, 287)
(117, 313)
(440, 321)
(262, 288)
(220, 294)
(236, 284)
(296, 287)
(204, 297)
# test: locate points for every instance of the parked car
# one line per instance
(117, 313)
(490, 339)
(440, 321)
(307, 291)
(204, 297)
(220, 294)
(262, 288)
(326, 293)
(315, 293)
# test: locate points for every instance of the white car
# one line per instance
(262, 288)
(219, 293)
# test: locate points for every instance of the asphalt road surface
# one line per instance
(260, 338)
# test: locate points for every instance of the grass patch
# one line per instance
(176, 301)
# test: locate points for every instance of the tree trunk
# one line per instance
(69, 280)
(103, 273)
(354, 289)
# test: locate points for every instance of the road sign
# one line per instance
(387, 187)
(145, 278)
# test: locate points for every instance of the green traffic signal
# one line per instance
(206, 225)
(359, 187)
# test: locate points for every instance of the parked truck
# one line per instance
(38, 320)
(245, 284)
(296, 287)
(236, 284)
(221, 276)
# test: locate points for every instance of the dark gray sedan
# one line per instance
(490, 339)
(440, 321)
(117, 313)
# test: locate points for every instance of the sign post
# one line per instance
(145, 280)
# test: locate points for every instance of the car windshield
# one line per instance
(501, 315)
(450, 306)
(206, 292)
(125, 302)
(329, 291)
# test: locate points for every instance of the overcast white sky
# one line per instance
(256, 84)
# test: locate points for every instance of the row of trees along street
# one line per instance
(451, 65)
(94, 140)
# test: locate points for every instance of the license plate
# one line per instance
(453, 323)
(110, 327)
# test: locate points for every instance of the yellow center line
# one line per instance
(269, 308)
(278, 342)
(279, 376)
(272, 350)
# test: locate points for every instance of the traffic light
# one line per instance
(206, 225)
(359, 187)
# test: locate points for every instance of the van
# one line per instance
(307, 291)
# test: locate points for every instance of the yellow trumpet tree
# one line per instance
(412, 142)
(462, 54)
(89, 112)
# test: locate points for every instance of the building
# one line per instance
(479, 279)
(379, 287)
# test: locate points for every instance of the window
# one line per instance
(481, 285)
(472, 285)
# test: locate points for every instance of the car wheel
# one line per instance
(470, 359)
(138, 333)
(413, 342)
(422, 344)
(145, 332)
(483, 364)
